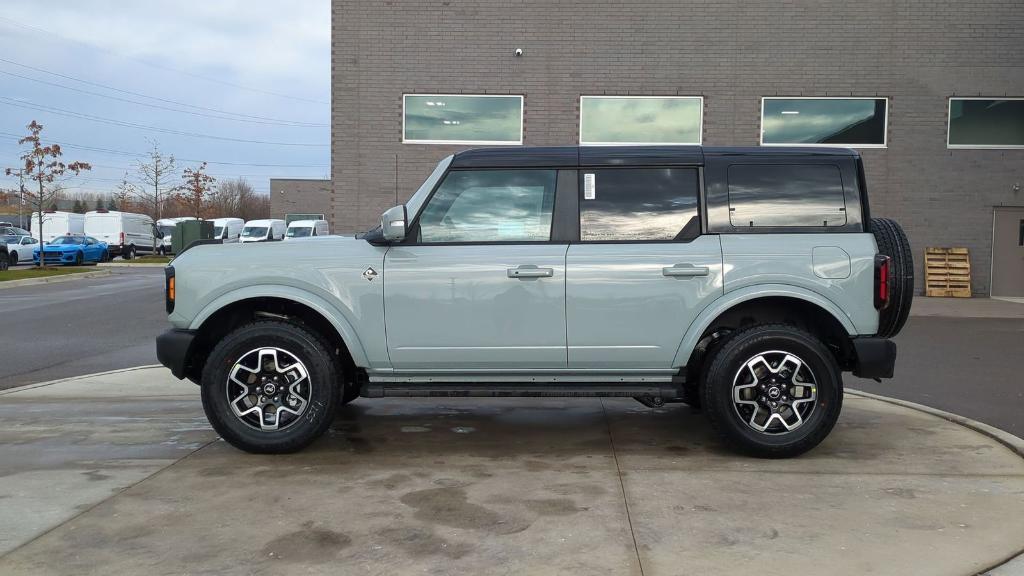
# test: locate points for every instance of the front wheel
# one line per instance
(105, 256)
(13, 260)
(270, 387)
(79, 259)
(772, 391)
(4, 263)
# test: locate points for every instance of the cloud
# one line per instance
(260, 41)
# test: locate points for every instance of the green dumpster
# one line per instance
(188, 231)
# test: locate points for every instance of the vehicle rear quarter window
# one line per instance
(637, 204)
(786, 195)
(490, 206)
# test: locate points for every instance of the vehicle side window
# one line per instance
(637, 204)
(490, 206)
(786, 195)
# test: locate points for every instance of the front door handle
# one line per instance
(530, 271)
(684, 271)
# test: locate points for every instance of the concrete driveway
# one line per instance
(119, 474)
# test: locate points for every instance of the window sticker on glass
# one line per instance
(589, 186)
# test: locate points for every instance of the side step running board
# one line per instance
(504, 389)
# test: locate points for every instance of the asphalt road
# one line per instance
(968, 366)
(51, 331)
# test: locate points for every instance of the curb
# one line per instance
(54, 279)
(70, 378)
(1011, 565)
(140, 265)
(1014, 443)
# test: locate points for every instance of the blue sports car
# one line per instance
(73, 249)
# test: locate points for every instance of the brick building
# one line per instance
(299, 196)
(884, 77)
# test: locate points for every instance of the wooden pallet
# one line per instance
(947, 272)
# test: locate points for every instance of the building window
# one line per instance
(490, 206)
(786, 195)
(462, 119)
(608, 120)
(853, 122)
(637, 204)
(986, 123)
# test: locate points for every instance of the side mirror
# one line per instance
(393, 223)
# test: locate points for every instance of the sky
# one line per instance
(241, 84)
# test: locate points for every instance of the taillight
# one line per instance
(882, 279)
(122, 238)
(169, 291)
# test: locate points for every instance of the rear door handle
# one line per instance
(530, 271)
(684, 271)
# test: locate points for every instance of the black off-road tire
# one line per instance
(892, 242)
(307, 346)
(730, 356)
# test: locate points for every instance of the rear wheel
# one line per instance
(772, 391)
(4, 263)
(129, 253)
(13, 260)
(892, 242)
(269, 387)
(105, 256)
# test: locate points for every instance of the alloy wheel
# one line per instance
(268, 389)
(774, 392)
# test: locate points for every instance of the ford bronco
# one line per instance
(743, 281)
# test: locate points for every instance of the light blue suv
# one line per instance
(740, 280)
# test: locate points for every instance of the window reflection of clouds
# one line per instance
(823, 121)
(463, 118)
(669, 120)
(491, 206)
(639, 204)
(782, 195)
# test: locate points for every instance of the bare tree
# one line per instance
(157, 175)
(121, 198)
(238, 198)
(196, 190)
(42, 165)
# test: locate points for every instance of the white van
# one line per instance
(263, 230)
(306, 229)
(126, 234)
(58, 224)
(166, 227)
(227, 230)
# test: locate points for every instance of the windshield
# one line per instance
(412, 207)
(218, 231)
(299, 232)
(68, 240)
(254, 232)
(167, 230)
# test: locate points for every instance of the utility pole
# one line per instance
(21, 198)
(21, 191)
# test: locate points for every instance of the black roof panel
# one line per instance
(517, 157)
(573, 156)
